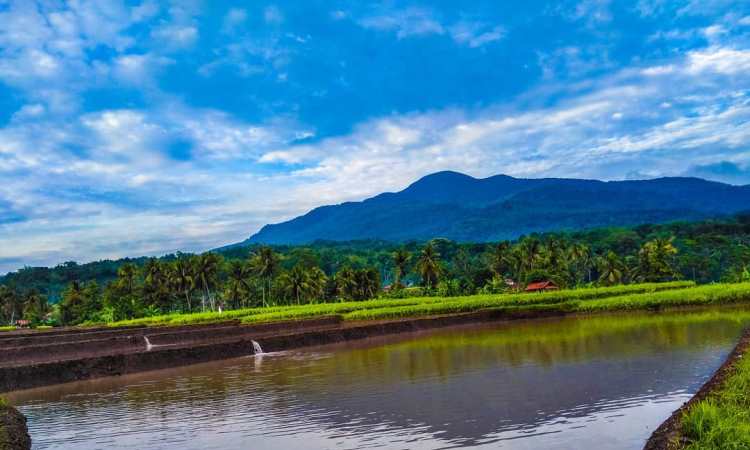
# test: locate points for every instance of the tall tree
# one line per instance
(182, 279)
(611, 269)
(400, 266)
(656, 261)
(295, 283)
(238, 283)
(498, 261)
(206, 270)
(266, 265)
(428, 266)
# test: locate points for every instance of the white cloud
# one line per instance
(138, 69)
(176, 36)
(475, 34)
(405, 23)
(718, 59)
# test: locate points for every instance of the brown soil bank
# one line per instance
(13, 432)
(31, 363)
(668, 436)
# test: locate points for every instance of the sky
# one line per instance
(134, 128)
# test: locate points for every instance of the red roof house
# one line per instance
(542, 286)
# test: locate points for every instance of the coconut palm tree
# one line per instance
(10, 304)
(428, 266)
(266, 264)
(126, 275)
(206, 268)
(295, 283)
(182, 280)
(580, 255)
(529, 250)
(400, 263)
(656, 261)
(498, 259)
(611, 269)
(156, 289)
(317, 280)
(238, 282)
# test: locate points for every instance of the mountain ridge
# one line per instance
(464, 208)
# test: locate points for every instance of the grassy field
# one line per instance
(722, 421)
(576, 301)
(392, 308)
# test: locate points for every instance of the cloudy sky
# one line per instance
(146, 127)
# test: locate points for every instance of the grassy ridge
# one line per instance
(567, 300)
(722, 421)
(668, 296)
(392, 306)
(712, 294)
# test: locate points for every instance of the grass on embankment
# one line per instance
(421, 306)
(722, 421)
(716, 294)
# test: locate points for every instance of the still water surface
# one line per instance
(601, 382)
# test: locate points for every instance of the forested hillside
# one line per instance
(462, 208)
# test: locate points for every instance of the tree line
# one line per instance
(238, 277)
(211, 282)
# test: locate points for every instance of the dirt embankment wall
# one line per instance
(13, 432)
(34, 365)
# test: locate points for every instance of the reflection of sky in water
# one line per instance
(598, 382)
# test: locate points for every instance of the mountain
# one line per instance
(462, 208)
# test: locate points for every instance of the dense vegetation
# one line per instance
(253, 276)
(387, 308)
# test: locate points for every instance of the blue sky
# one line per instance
(145, 127)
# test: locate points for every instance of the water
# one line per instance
(257, 349)
(601, 382)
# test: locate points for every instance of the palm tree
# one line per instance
(127, 274)
(655, 261)
(10, 304)
(182, 280)
(611, 269)
(238, 283)
(317, 280)
(580, 254)
(155, 284)
(400, 262)
(266, 264)
(429, 266)
(529, 250)
(498, 259)
(206, 267)
(296, 283)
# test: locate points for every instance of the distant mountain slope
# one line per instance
(463, 208)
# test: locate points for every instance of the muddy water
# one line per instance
(601, 382)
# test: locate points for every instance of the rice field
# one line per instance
(395, 308)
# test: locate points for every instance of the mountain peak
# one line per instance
(463, 208)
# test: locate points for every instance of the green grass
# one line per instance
(387, 308)
(3, 402)
(7, 328)
(565, 300)
(722, 421)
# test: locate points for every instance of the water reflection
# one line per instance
(598, 382)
